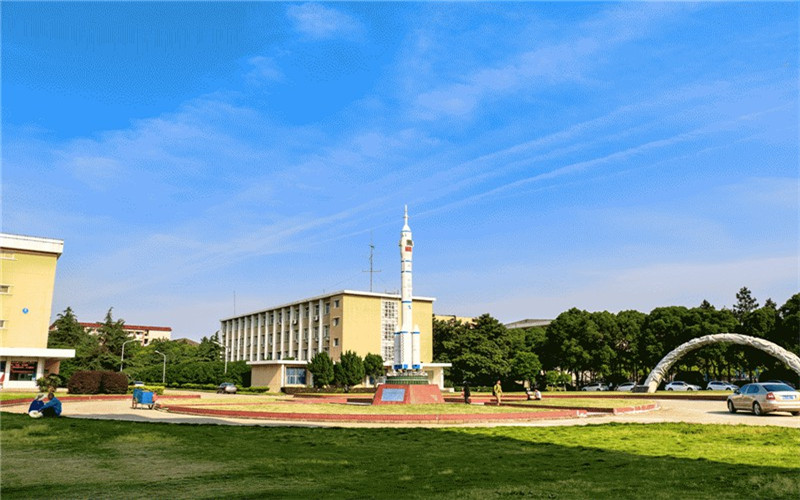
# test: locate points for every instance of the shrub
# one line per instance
(158, 389)
(113, 383)
(254, 390)
(84, 382)
(45, 383)
(327, 390)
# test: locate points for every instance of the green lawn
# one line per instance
(76, 458)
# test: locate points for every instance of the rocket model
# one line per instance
(406, 341)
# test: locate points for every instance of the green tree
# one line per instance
(68, 332)
(351, 370)
(321, 368)
(626, 344)
(373, 366)
(480, 352)
(745, 304)
(525, 366)
(787, 331)
(111, 335)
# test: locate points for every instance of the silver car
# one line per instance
(717, 385)
(626, 387)
(677, 385)
(764, 398)
(597, 386)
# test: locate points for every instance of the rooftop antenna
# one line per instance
(371, 253)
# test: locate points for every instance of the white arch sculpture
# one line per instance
(770, 348)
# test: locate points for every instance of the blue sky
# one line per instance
(601, 155)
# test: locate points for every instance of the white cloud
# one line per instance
(263, 69)
(320, 22)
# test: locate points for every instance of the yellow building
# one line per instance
(27, 278)
(278, 342)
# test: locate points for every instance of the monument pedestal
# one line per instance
(407, 394)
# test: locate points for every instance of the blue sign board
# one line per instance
(393, 395)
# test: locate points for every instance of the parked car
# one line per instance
(678, 385)
(597, 386)
(763, 398)
(626, 387)
(780, 382)
(226, 388)
(138, 383)
(718, 385)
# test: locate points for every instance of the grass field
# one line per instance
(76, 458)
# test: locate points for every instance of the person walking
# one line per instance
(498, 393)
(467, 392)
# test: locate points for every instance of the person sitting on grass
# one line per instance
(52, 408)
(537, 396)
(37, 403)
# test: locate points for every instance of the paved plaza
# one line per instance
(672, 410)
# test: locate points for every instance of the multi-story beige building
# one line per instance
(278, 341)
(143, 334)
(27, 278)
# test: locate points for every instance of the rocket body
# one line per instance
(406, 343)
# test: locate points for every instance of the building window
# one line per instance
(336, 304)
(22, 370)
(335, 321)
(388, 328)
(316, 310)
(295, 376)
(2, 324)
(327, 307)
(5, 289)
(335, 342)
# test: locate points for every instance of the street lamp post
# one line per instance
(227, 350)
(164, 370)
(122, 358)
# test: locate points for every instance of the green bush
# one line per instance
(45, 383)
(157, 389)
(113, 383)
(84, 382)
(254, 390)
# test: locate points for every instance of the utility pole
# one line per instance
(371, 254)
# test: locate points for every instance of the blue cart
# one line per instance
(142, 397)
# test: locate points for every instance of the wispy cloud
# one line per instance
(321, 22)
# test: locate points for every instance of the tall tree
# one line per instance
(525, 366)
(351, 370)
(373, 365)
(745, 304)
(480, 352)
(68, 332)
(321, 368)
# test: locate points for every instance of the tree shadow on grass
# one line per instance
(208, 461)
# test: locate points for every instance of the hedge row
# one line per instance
(327, 390)
(158, 389)
(254, 389)
(97, 382)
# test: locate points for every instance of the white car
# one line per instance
(626, 387)
(677, 385)
(597, 386)
(717, 385)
